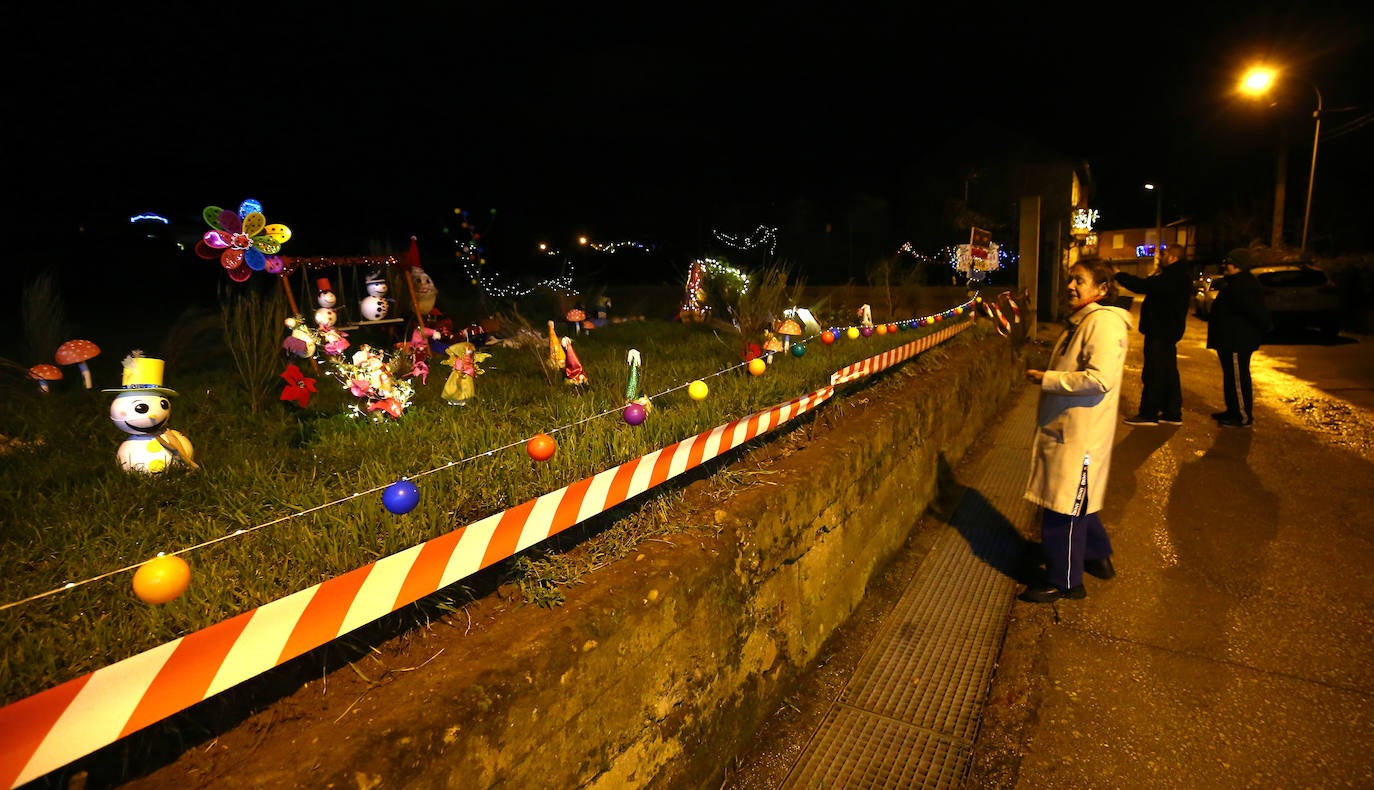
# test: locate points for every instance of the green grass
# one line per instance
(69, 514)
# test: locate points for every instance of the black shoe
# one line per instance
(1141, 421)
(1235, 423)
(1048, 593)
(1224, 415)
(1171, 420)
(1102, 568)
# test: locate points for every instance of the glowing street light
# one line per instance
(1159, 218)
(1259, 81)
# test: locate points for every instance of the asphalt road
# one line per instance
(1234, 648)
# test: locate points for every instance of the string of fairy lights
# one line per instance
(762, 235)
(852, 332)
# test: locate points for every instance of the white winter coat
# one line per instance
(1078, 409)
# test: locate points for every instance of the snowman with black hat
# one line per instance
(376, 305)
(141, 408)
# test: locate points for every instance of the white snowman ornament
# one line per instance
(326, 316)
(375, 306)
(141, 408)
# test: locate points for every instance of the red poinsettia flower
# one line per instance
(298, 387)
(389, 406)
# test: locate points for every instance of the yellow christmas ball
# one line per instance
(852, 333)
(757, 366)
(698, 390)
(162, 579)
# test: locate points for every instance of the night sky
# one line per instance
(362, 124)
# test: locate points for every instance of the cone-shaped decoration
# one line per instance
(572, 369)
(412, 256)
(632, 387)
(556, 355)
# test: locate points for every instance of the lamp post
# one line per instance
(1258, 81)
(1312, 173)
(1159, 218)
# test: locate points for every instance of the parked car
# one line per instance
(1205, 289)
(1300, 297)
(1297, 296)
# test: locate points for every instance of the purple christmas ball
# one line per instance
(635, 413)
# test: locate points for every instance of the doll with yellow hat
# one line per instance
(141, 408)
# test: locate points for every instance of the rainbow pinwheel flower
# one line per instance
(242, 241)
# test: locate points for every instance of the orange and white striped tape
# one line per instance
(54, 727)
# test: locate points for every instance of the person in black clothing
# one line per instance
(1163, 317)
(1238, 322)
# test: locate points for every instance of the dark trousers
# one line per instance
(1235, 384)
(1067, 541)
(1161, 394)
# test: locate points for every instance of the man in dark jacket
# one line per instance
(1238, 322)
(1163, 317)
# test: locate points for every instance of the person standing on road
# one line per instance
(1163, 318)
(1236, 325)
(1072, 449)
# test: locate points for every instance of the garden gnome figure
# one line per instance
(141, 408)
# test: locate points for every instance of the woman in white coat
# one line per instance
(1077, 419)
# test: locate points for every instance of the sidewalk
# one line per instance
(1234, 648)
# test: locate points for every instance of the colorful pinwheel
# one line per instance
(243, 242)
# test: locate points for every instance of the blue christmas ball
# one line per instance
(401, 497)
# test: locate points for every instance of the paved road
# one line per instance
(1235, 648)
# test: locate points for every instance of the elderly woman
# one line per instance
(1072, 449)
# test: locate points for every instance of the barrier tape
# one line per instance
(54, 727)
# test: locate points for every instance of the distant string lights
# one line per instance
(762, 235)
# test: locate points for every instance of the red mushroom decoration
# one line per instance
(76, 352)
(45, 373)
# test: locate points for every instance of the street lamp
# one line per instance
(1159, 218)
(1258, 81)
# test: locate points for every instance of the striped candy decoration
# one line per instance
(54, 727)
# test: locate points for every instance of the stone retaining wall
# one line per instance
(659, 677)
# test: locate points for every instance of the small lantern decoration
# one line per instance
(141, 408)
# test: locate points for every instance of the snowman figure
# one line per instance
(375, 305)
(325, 316)
(141, 409)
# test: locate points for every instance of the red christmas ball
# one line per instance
(541, 447)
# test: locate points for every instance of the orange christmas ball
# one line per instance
(541, 446)
(881, 329)
(162, 579)
(757, 366)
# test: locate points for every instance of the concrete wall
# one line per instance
(658, 673)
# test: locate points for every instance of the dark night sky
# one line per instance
(354, 121)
